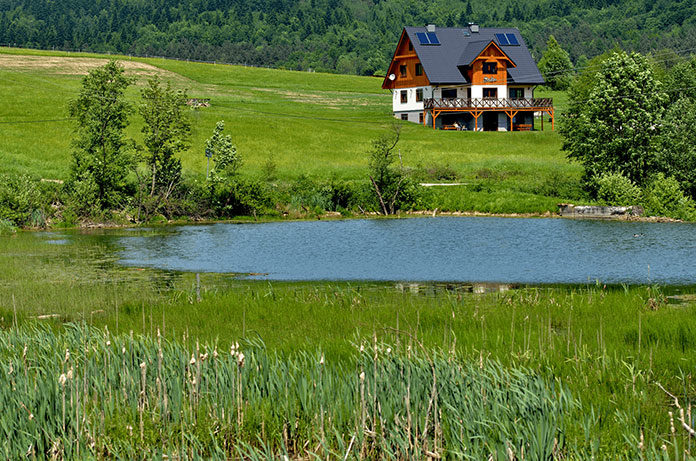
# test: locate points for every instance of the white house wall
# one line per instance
(411, 105)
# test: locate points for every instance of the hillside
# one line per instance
(344, 36)
(316, 124)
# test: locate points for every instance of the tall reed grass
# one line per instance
(84, 393)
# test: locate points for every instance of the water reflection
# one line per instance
(445, 249)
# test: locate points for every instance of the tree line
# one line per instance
(345, 36)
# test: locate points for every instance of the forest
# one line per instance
(342, 36)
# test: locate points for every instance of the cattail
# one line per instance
(362, 376)
(193, 360)
(388, 350)
(67, 355)
(108, 343)
(240, 360)
(321, 360)
(11, 370)
(70, 373)
(62, 379)
(671, 423)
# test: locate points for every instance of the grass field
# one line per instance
(609, 347)
(316, 124)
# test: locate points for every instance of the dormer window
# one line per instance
(490, 67)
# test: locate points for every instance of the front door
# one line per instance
(490, 121)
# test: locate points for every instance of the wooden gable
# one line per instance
(405, 66)
(491, 54)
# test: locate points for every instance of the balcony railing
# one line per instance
(487, 103)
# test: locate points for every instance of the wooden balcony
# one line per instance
(535, 104)
(477, 106)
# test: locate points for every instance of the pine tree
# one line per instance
(556, 66)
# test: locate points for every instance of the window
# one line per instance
(449, 93)
(419, 95)
(419, 69)
(404, 96)
(404, 117)
(490, 93)
(402, 70)
(490, 67)
(410, 46)
(516, 93)
(420, 117)
(468, 93)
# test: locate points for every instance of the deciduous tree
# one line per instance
(386, 180)
(101, 161)
(166, 133)
(616, 128)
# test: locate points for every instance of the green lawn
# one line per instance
(309, 123)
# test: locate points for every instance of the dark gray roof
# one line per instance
(444, 63)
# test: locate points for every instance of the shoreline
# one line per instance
(334, 215)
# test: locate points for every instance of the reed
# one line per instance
(83, 392)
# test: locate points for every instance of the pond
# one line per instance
(446, 249)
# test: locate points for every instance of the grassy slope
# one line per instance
(311, 123)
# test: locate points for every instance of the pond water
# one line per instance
(448, 249)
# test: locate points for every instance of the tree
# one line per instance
(166, 133)
(616, 128)
(101, 161)
(385, 179)
(677, 157)
(556, 66)
(226, 159)
(680, 81)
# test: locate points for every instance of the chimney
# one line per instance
(430, 27)
(473, 27)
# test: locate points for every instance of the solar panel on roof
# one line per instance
(432, 36)
(502, 39)
(422, 38)
(512, 39)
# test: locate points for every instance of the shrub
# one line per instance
(664, 197)
(242, 197)
(616, 189)
(331, 195)
(561, 185)
(22, 201)
(7, 227)
(434, 172)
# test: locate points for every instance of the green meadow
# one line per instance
(313, 124)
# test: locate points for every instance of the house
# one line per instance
(469, 79)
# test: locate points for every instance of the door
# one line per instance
(490, 121)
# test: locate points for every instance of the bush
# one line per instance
(7, 227)
(664, 197)
(331, 195)
(616, 189)
(241, 197)
(434, 172)
(24, 201)
(563, 186)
